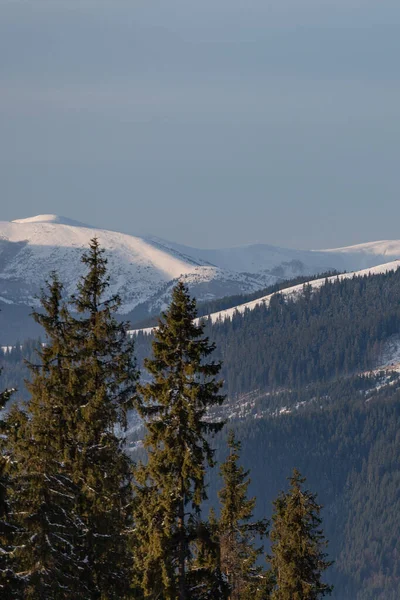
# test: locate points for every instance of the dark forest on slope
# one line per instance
(337, 330)
(140, 318)
(308, 353)
(349, 453)
(344, 435)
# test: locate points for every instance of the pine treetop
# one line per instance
(176, 403)
(236, 507)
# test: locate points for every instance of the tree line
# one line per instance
(78, 519)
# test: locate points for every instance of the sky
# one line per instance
(210, 123)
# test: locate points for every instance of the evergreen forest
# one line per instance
(203, 461)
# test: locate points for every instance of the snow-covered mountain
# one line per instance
(140, 268)
(144, 269)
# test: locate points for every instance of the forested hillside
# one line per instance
(301, 393)
(349, 452)
(205, 307)
(337, 330)
(334, 331)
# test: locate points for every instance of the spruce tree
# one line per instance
(171, 486)
(44, 498)
(237, 532)
(71, 487)
(106, 371)
(298, 557)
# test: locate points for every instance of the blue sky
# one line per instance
(211, 123)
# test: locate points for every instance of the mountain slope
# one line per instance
(362, 256)
(292, 292)
(344, 327)
(300, 393)
(31, 248)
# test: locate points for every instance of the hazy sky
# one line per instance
(208, 122)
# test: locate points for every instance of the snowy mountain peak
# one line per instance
(140, 270)
(52, 219)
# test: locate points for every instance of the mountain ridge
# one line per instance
(289, 292)
(144, 269)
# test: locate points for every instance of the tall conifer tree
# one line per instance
(298, 545)
(171, 486)
(72, 488)
(107, 375)
(44, 497)
(238, 534)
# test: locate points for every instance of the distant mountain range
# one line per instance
(144, 269)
